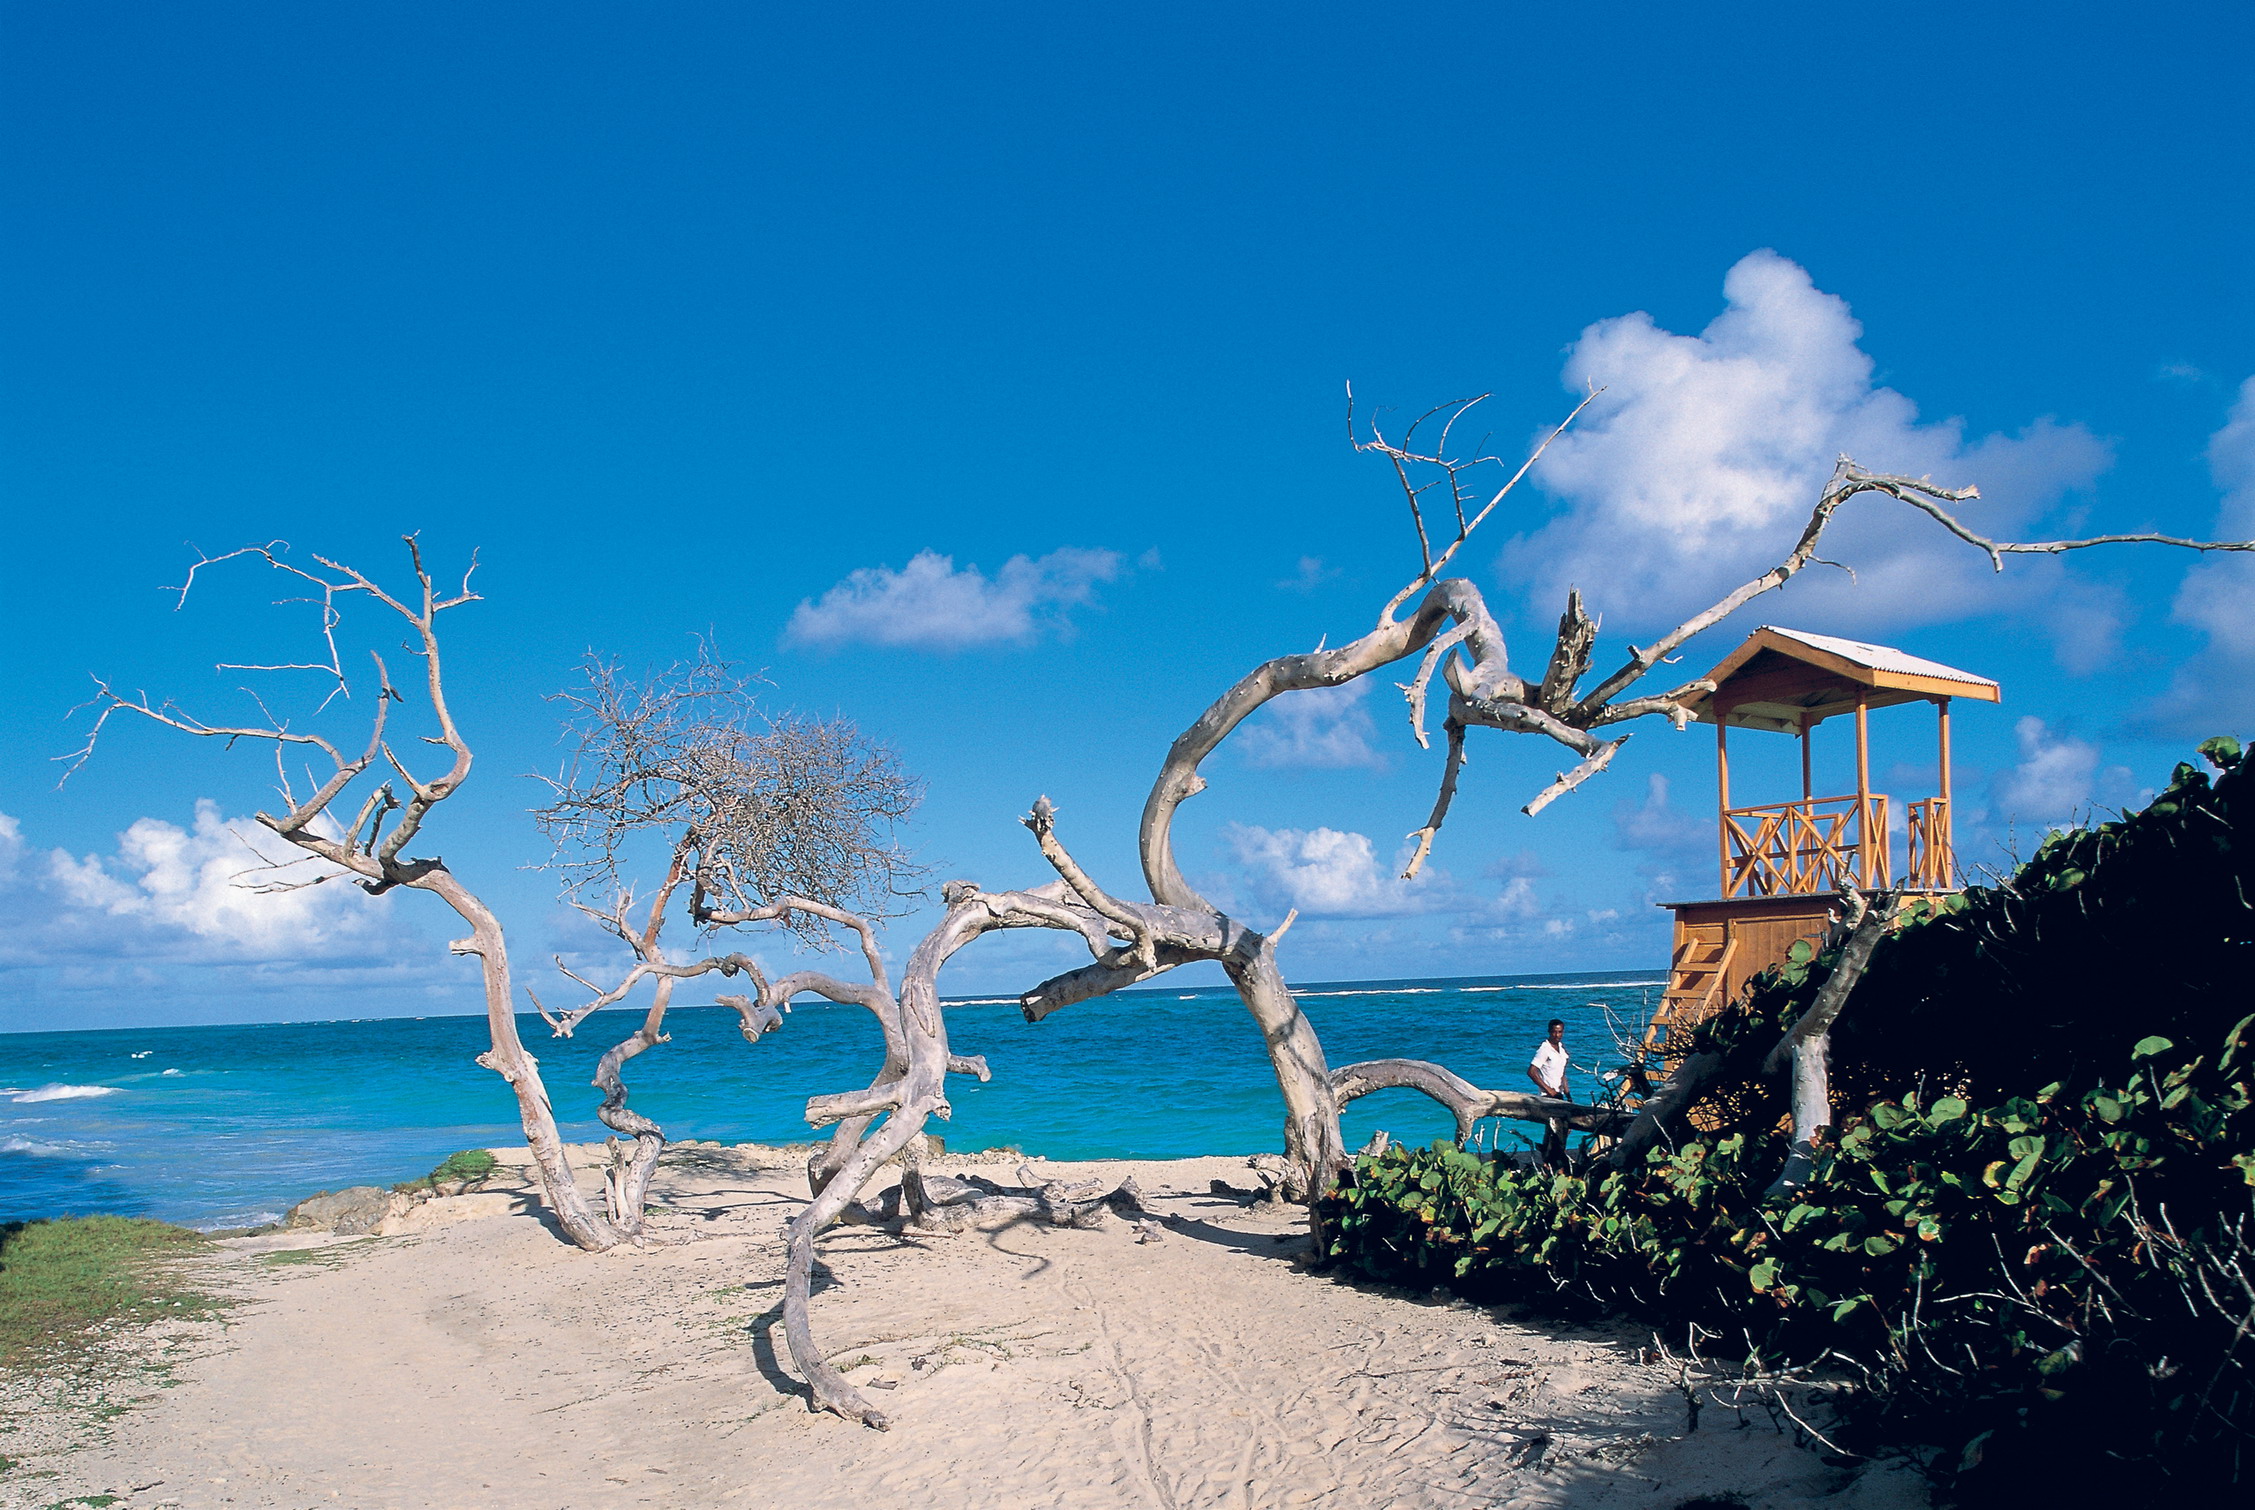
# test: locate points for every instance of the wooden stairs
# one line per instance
(1703, 956)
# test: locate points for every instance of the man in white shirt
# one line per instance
(1548, 1071)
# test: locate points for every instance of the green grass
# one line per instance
(328, 1255)
(62, 1279)
(469, 1168)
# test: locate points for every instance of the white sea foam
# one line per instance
(34, 1148)
(1384, 991)
(172, 1072)
(65, 1093)
(144, 1053)
(1602, 985)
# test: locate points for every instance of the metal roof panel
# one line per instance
(1880, 657)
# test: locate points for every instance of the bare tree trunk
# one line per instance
(508, 1059)
(1808, 1046)
(628, 1187)
(1812, 1111)
(917, 1025)
(1666, 1108)
(1312, 1143)
(1466, 1101)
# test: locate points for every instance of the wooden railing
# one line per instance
(1933, 864)
(1819, 844)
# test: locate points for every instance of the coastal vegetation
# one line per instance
(456, 1174)
(2028, 1232)
(66, 1281)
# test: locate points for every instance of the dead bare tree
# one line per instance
(753, 808)
(372, 849)
(785, 824)
(1445, 624)
(746, 804)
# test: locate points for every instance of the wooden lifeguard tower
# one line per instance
(1785, 864)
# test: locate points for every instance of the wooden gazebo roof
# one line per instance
(1787, 680)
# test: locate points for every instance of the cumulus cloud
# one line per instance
(2214, 693)
(199, 882)
(1328, 874)
(2055, 777)
(1697, 466)
(1322, 728)
(1677, 847)
(932, 604)
(1656, 824)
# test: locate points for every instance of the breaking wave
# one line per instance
(64, 1093)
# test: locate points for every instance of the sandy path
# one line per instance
(486, 1364)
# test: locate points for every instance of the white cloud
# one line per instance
(2214, 693)
(193, 881)
(1701, 461)
(1329, 874)
(1517, 901)
(1678, 847)
(931, 604)
(157, 929)
(2056, 776)
(1324, 728)
(1655, 824)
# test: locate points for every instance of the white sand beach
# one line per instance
(474, 1359)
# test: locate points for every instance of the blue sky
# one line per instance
(683, 319)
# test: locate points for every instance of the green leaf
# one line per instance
(2232, 1042)
(1801, 952)
(1948, 1109)
(1840, 1311)
(1879, 1245)
(1763, 1274)
(2146, 1048)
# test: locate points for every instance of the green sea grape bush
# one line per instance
(2130, 928)
(2055, 1279)
(456, 1174)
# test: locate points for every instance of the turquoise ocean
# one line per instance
(227, 1126)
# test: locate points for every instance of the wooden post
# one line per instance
(1863, 788)
(1722, 792)
(1942, 840)
(1807, 791)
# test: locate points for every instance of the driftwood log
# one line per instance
(1467, 1102)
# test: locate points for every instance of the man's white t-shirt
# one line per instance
(1550, 1064)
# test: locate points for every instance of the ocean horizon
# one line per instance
(227, 1125)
